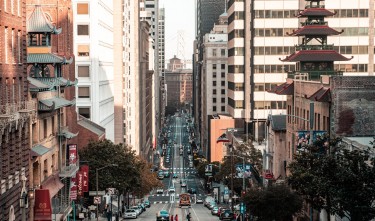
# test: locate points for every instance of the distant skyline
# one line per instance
(179, 17)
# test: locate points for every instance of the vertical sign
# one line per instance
(42, 205)
(72, 154)
(79, 178)
(73, 188)
(85, 173)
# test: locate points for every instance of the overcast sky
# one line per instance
(179, 17)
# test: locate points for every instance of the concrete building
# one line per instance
(16, 109)
(95, 62)
(175, 64)
(258, 40)
(161, 62)
(214, 77)
(218, 125)
(179, 89)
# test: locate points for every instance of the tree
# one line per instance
(251, 154)
(338, 180)
(104, 153)
(277, 203)
(148, 179)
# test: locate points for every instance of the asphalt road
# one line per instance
(179, 164)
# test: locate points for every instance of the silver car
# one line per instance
(130, 213)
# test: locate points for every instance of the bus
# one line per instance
(184, 200)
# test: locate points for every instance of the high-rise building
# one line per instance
(179, 91)
(258, 38)
(15, 109)
(208, 12)
(161, 61)
(95, 62)
(214, 76)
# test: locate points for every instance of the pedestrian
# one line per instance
(176, 217)
(188, 216)
(171, 217)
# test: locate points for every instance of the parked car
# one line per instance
(192, 191)
(175, 175)
(199, 200)
(147, 204)
(183, 184)
(137, 210)
(130, 213)
(227, 215)
(172, 189)
(221, 209)
(214, 210)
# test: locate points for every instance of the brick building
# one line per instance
(15, 108)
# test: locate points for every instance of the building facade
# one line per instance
(16, 109)
(94, 64)
(258, 40)
(214, 76)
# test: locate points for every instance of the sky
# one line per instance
(179, 18)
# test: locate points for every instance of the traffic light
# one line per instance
(243, 193)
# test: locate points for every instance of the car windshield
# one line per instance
(130, 211)
(163, 212)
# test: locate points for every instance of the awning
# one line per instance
(39, 150)
(67, 134)
(53, 184)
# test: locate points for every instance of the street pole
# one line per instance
(97, 194)
(231, 180)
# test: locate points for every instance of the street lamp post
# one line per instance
(97, 186)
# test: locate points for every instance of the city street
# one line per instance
(178, 165)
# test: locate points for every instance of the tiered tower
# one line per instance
(314, 56)
(50, 167)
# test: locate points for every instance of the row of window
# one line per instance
(82, 8)
(11, 48)
(280, 32)
(236, 33)
(237, 51)
(231, 2)
(214, 108)
(214, 74)
(215, 84)
(303, 115)
(214, 100)
(222, 66)
(236, 104)
(214, 91)
(265, 105)
(287, 50)
(274, 68)
(235, 86)
(215, 54)
(340, 13)
(264, 86)
(237, 15)
(15, 5)
(11, 89)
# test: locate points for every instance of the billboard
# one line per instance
(303, 137)
(243, 172)
(72, 154)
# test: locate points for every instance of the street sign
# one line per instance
(93, 193)
(111, 191)
(97, 200)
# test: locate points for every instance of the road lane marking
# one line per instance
(195, 213)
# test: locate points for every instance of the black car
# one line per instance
(192, 191)
(227, 215)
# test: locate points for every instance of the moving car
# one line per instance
(199, 200)
(227, 215)
(162, 215)
(147, 204)
(159, 190)
(172, 189)
(183, 184)
(130, 213)
(192, 191)
(175, 175)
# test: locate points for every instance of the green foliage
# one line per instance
(273, 203)
(104, 153)
(251, 154)
(341, 181)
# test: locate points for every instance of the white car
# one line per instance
(172, 189)
(160, 191)
(183, 184)
(136, 209)
(130, 213)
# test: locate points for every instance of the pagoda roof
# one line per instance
(317, 30)
(54, 104)
(47, 58)
(315, 12)
(35, 85)
(39, 23)
(286, 88)
(321, 95)
(59, 81)
(315, 55)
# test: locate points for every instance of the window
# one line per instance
(85, 112)
(214, 74)
(222, 66)
(222, 83)
(214, 91)
(223, 100)
(6, 42)
(214, 108)
(83, 50)
(45, 128)
(222, 91)
(82, 29)
(53, 124)
(83, 92)
(222, 52)
(83, 71)
(214, 83)
(12, 48)
(223, 74)
(223, 108)
(214, 52)
(214, 100)
(19, 7)
(19, 47)
(214, 66)
(82, 8)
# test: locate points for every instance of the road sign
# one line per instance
(93, 193)
(111, 191)
(97, 200)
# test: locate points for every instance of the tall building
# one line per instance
(258, 37)
(16, 110)
(161, 62)
(208, 12)
(95, 62)
(51, 85)
(214, 76)
(179, 89)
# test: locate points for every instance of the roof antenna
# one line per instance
(225, 7)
